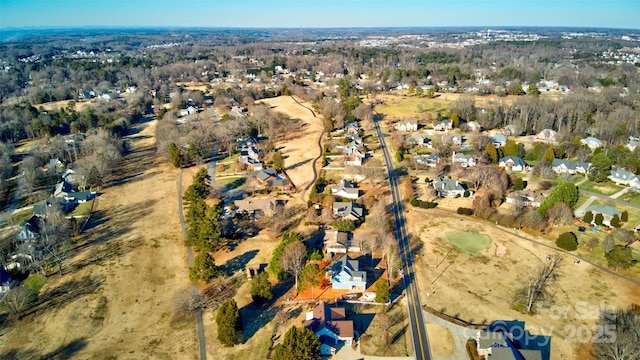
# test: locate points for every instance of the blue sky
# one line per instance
(319, 13)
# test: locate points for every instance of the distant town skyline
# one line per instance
(623, 14)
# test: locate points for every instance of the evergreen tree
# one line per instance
(588, 217)
(599, 219)
(549, 155)
(621, 257)
(567, 241)
(278, 160)
(382, 291)
(175, 157)
(229, 323)
(600, 167)
(625, 216)
(274, 265)
(204, 268)
(533, 90)
(517, 183)
(298, 344)
(492, 153)
(510, 148)
(565, 192)
(615, 221)
(261, 288)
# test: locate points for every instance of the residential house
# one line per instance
(271, 179)
(345, 189)
(329, 324)
(608, 212)
(448, 188)
(407, 125)
(474, 126)
(70, 176)
(259, 207)
(633, 143)
(463, 160)
(623, 177)
(355, 138)
(547, 135)
(351, 127)
(508, 340)
(443, 125)
(6, 283)
(419, 140)
(526, 198)
(354, 154)
(499, 140)
(570, 167)
(339, 242)
(62, 189)
(591, 142)
(188, 111)
(348, 210)
(62, 204)
(429, 160)
(56, 165)
(250, 157)
(29, 231)
(246, 142)
(513, 163)
(453, 139)
(345, 274)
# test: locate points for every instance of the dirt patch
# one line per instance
(441, 341)
(133, 253)
(300, 148)
(480, 289)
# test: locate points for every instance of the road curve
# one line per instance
(201, 340)
(422, 350)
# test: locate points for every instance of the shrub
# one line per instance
(464, 211)
(567, 241)
(599, 219)
(261, 288)
(315, 255)
(588, 217)
(466, 193)
(414, 202)
(625, 216)
(343, 225)
(615, 221)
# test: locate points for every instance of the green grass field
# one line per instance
(83, 209)
(604, 188)
(471, 242)
(632, 197)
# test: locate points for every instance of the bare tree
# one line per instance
(17, 299)
(621, 338)
(560, 214)
(184, 303)
(293, 259)
(386, 322)
(539, 284)
(54, 240)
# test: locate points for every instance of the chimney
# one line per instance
(453, 157)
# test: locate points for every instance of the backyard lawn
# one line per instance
(83, 209)
(604, 188)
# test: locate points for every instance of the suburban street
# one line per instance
(421, 346)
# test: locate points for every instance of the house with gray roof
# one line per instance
(418, 140)
(463, 160)
(525, 197)
(339, 242)
(499, 140)
(429, 160)
(448, 188)
(345, 274)
(608, 212)
(443, 125)
(623, 177)
(348, 210)
(345, 189)
(513, 163)
(634, 141)
(561, 166)
(259, 207)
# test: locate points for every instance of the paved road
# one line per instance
(421, 346)
(201, 340)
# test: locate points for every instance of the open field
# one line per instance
(604, 188)
(396, 106)
(299, 149)
(480, 288)
(114, 300)
(57, 105)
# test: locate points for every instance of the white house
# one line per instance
(591, 142)
(570, 167)
(547, 135)
(430, 160)
(345, 189)
(623, 177)
(419, 140)
(463, 160)
(443, 125)
(407, 125)
(513, 163)
(499, 140)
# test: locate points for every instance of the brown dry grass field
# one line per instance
(479, 288)
(299, 149)
(57, 105)
(114, 301)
